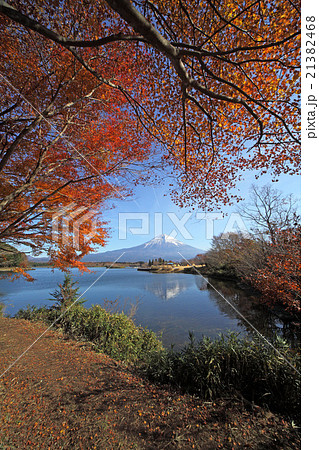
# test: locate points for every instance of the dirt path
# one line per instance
(63, 395)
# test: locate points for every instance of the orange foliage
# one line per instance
(217, 84)
(224, 87)
(280, 280)
(68, 141)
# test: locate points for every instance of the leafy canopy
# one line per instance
(216, 84)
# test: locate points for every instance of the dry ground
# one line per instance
(63, 395)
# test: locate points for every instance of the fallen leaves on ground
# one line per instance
(62, 394)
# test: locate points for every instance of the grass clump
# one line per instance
(232, 366)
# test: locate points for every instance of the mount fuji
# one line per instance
(162, 246)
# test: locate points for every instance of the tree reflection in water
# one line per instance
(268, 322)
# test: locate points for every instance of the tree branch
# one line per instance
(32, 24)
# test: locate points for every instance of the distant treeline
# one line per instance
(11, 257)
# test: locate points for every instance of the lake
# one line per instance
(170, 304)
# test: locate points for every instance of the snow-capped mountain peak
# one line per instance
(163, 239)
(162, 246)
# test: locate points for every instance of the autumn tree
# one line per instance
(275, 225)
(269, 258)
(272, 267)
(217, 85)
(268, 210)
(235, 255)
(199, 259)
(222, 80)
(279, 280)
(69, 143)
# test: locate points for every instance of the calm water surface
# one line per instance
(169, 304)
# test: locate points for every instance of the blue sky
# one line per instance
(149, 212)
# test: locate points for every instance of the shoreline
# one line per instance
(194, 270)
(202, 270)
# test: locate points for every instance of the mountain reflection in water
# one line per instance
(166, 288)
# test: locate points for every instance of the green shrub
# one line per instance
(113, 334)
(36, 314)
